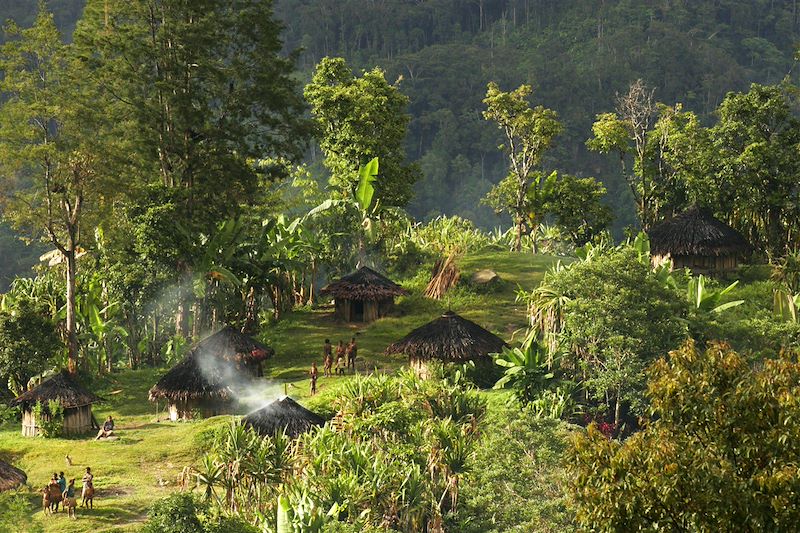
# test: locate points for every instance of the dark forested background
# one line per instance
(577, 54)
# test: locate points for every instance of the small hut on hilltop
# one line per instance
(363, 296)
(204, 382)
(696, 240)
(449, 338)
(11, 477)
(283, 414)
(76, 401)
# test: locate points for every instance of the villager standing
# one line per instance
(352, 353)
(69, 498)
(88, 484)
(62, 482)
(314, 373)
(327, 351)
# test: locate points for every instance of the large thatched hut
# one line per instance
(11, 477)
(76, 401)
(696, 240)
(449, 338)
(283, 414)
(205, 381)
(363, 296)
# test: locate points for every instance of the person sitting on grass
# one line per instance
(107, 430)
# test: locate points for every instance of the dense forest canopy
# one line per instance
(577, 56)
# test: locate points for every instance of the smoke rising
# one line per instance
(250, 392)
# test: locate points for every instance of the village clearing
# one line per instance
(151, 454)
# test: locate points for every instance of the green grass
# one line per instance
(146, 461)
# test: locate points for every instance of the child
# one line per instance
(69, 498)
(352, 353)
(314, 373)
(340, 365)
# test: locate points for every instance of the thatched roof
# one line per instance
(11, 477)
(225, 356)
(364, 284)
(696, 232)
(61, 387)
(448, 338)
(283, 413)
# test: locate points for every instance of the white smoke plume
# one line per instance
(250, 392)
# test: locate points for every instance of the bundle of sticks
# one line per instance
(444, 276)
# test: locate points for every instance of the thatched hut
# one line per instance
(363, 296)
(76, 401)
(696, 240)
(11, 477)
(283, 414)
(449, 338)
(205, 381)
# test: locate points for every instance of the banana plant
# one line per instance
(361, 201)
(707, 300)
(526, 369)
(786, 305)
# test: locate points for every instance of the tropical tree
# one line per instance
(723, 431)
(47, 150)
(359, 119)
(29, 344)
(528, 133)
(205, 90)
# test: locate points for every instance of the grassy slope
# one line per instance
(144, 464)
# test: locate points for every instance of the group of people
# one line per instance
(67, 490)
(344, 359)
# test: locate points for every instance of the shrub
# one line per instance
(174, 514)
(50, 418)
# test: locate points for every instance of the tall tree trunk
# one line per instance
(72, 334)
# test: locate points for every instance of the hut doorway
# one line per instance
(357, 311)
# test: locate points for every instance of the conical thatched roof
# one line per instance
(448, 338)
(11, 477)
(364, 284)
(61, 387)
(286, 414)
(696, 232)
(211, 367)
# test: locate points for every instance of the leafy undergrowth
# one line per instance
(516, 481)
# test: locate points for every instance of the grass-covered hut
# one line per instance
(283, 414)
(696, 240)
(363, 296)
(205, 381)
(450, 339)
(11, 477)
(76, 401)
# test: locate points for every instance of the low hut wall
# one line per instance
(699, 264)
(77, 420)
(189, 409)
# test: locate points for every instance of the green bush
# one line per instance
(515, 480)
(174, 514)
(49, 418)
(15, 514)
